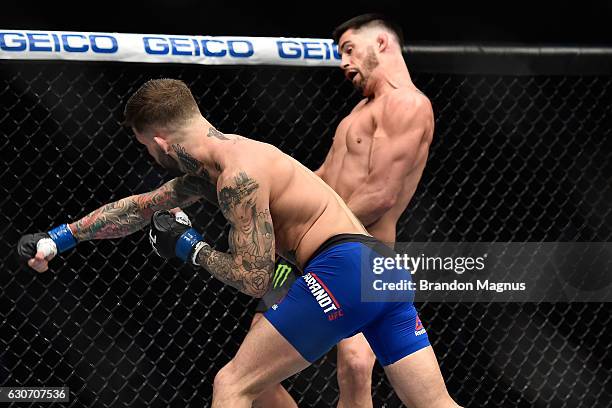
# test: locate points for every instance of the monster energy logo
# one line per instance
(280, 275)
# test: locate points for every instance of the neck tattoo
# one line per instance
(190, 164)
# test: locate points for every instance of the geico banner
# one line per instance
(159, 48)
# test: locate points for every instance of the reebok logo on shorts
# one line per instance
(418, 328)
(323, 296)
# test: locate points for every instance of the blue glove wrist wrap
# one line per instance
(63, 238)
(186, 242)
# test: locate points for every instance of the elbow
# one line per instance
(259, 284)
(256, 292)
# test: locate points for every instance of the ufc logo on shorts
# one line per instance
(323, 296)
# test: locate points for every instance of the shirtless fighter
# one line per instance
(273, 204)
(374, 164)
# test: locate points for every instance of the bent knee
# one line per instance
(355, 366)
(230, 381)
(356, 359)
(225, 378)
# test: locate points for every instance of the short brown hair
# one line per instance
(365, 19)
(160, 103)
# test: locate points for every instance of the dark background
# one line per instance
(515, 158)
(561, 22)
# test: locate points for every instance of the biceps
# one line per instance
(400, 153)
(252, 238)
(390, 167)
(245, 205)
(252, 245)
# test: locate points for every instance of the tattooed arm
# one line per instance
(250, 262)
(133, 213)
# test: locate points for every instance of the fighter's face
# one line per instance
(163, 159)
(358, 57)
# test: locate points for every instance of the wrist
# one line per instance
(63, 238)
(196, 250)
(186, 243)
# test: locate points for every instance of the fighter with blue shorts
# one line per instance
(274, 205)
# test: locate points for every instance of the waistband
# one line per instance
(367, 240)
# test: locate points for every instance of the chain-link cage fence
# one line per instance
(514, 158)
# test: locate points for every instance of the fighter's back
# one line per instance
(305, 211)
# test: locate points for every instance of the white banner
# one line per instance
(161, 48)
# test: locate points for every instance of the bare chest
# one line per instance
(355, 133)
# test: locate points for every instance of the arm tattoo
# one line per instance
(250, 263)
(230, 197)
(133, 213)
(190, 163)
(212, 132)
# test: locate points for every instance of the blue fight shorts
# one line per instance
(325, 305)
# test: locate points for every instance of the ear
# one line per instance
(382, 41)
(162, 143)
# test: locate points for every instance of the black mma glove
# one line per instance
(171, 236)
(58, 240)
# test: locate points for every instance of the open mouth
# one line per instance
(350, 75)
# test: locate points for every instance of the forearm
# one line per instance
(227, 267)
(113, 220)
(133, 213)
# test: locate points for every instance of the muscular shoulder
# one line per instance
(249, 157)
(239, 177)
(360, 105)
(404, 109)
(245, 179)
